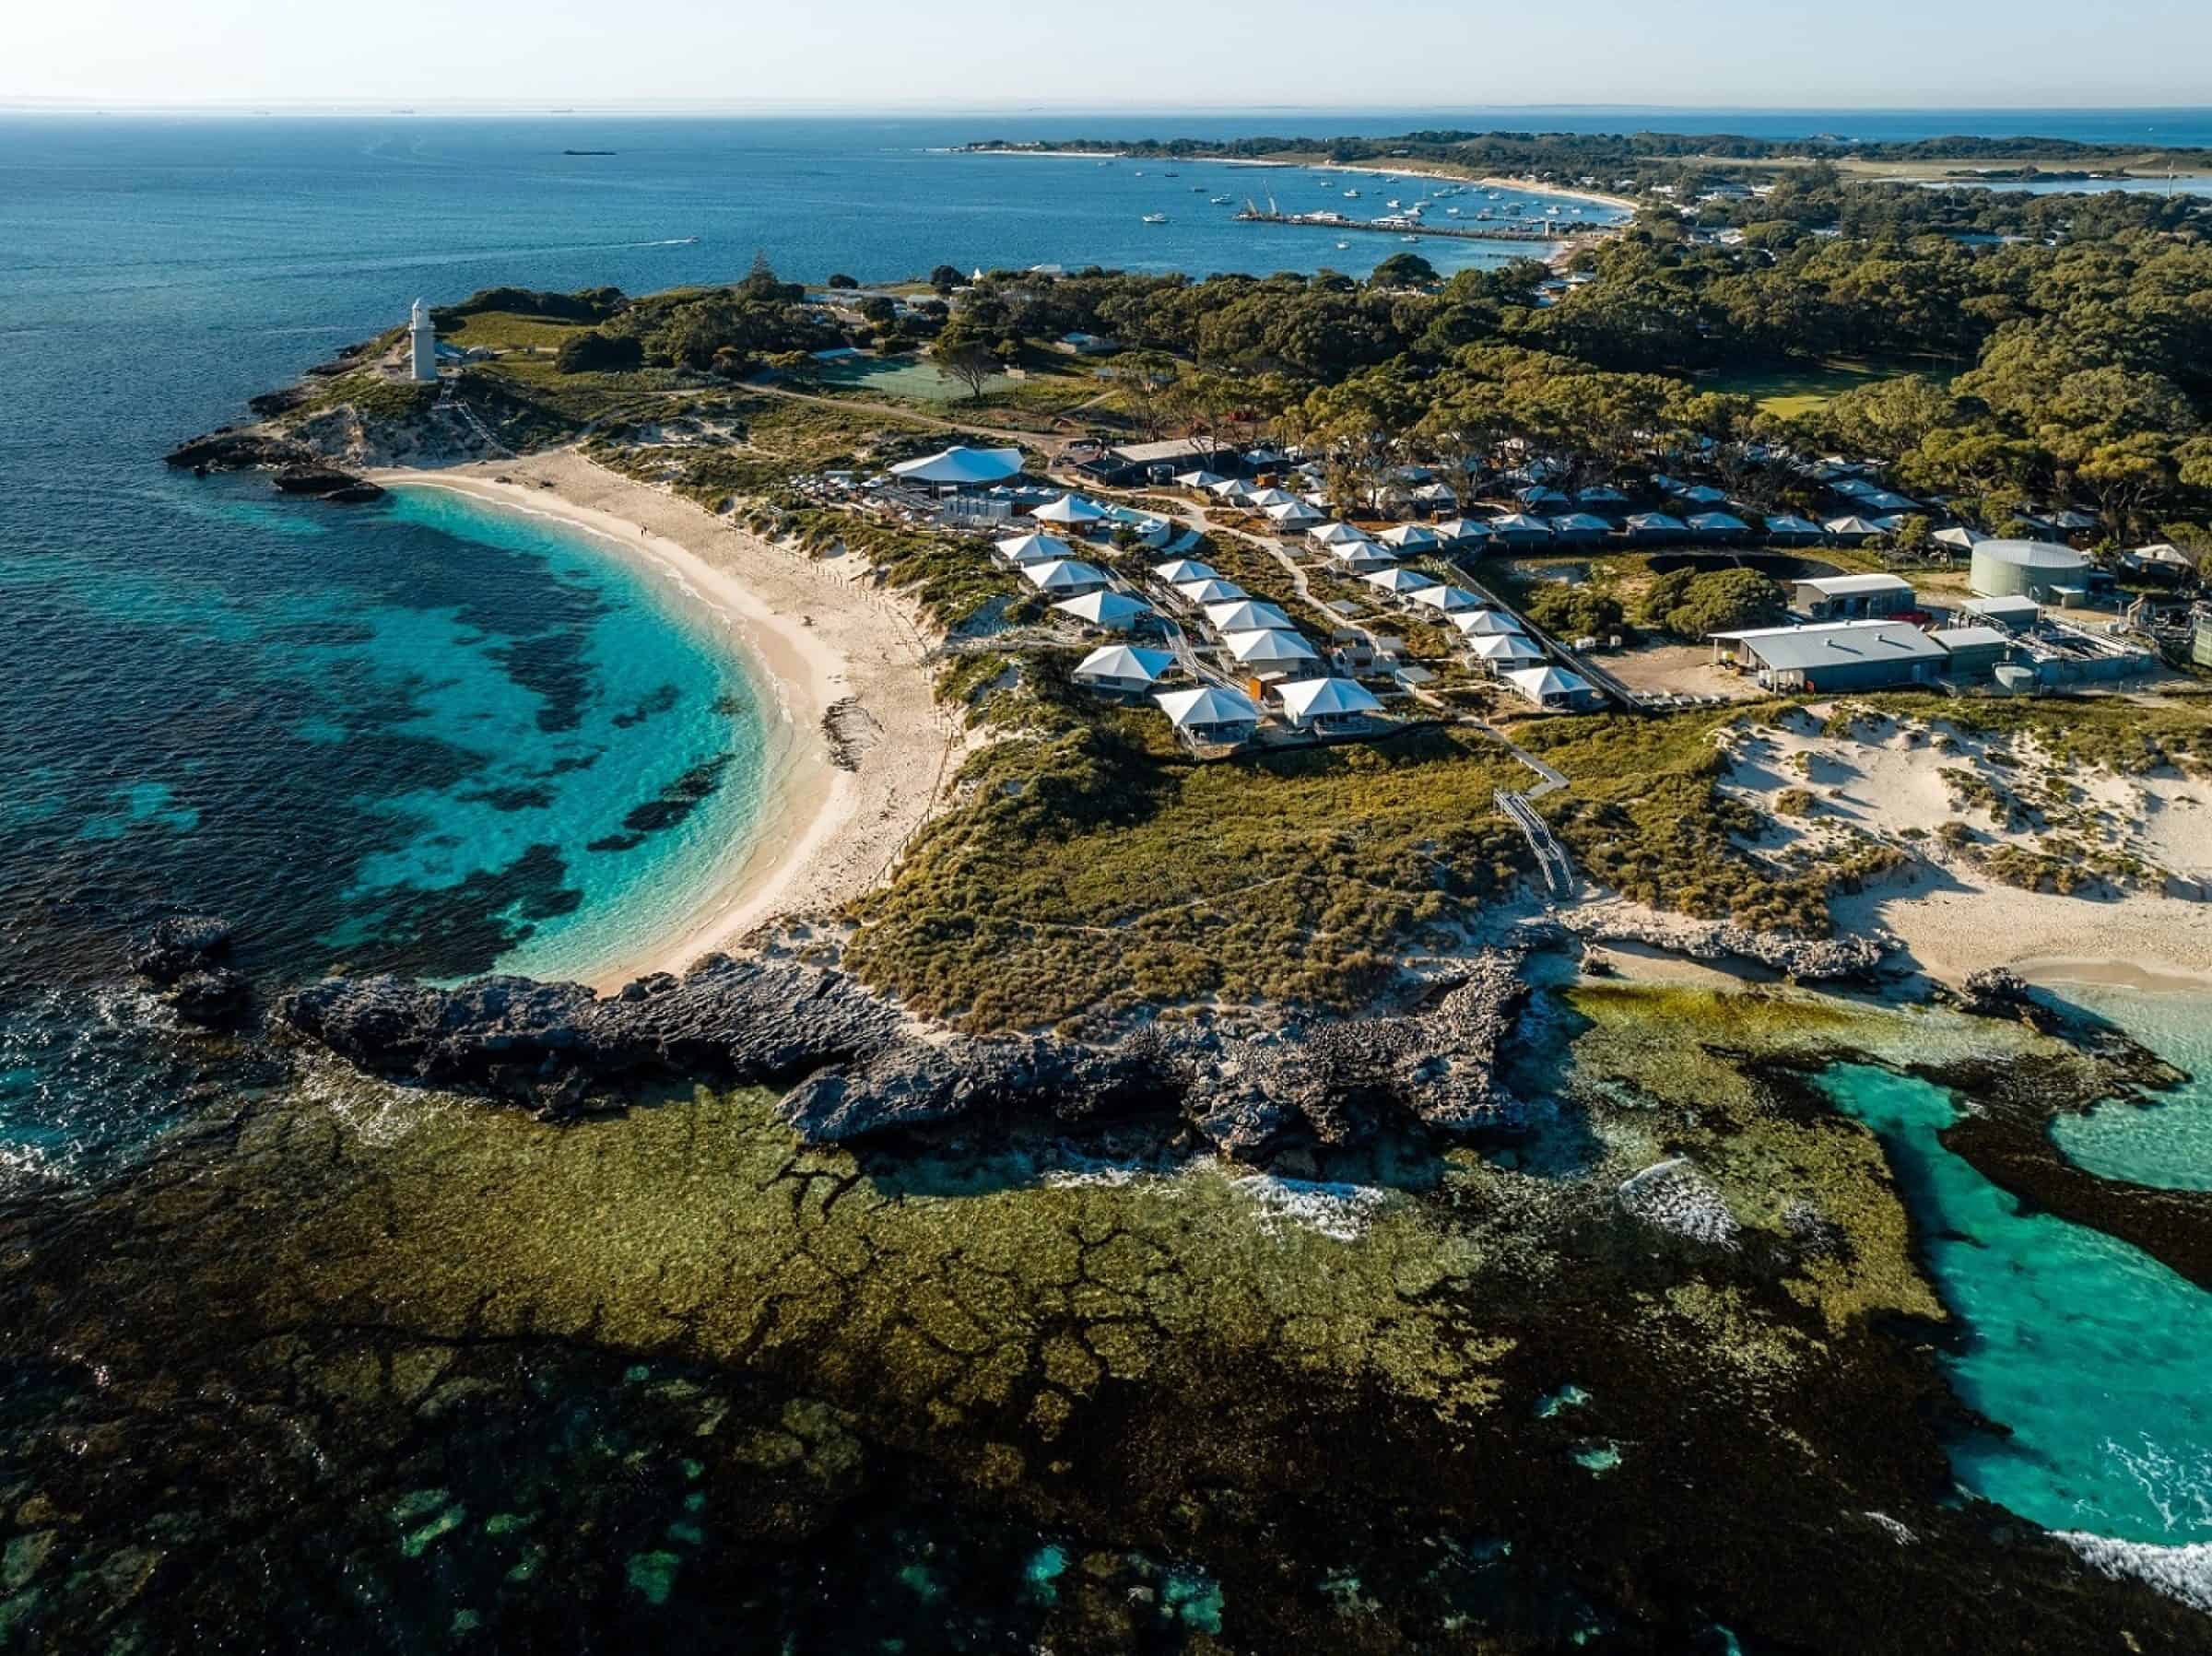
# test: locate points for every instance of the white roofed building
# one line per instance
(1554, 689)
(1210, 714)
(1070, 511)
(1502, 652)
(1327, 703)
(1065, 578)
(1033, 548)
(1448, 600)
(1108, 611)
(1272, 652)
(960, 467)
(1246, 614)
(1213, 590)
(1488, 624)
(1122, 669)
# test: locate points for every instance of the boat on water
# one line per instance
(1409, 238)
(1351, 195)
(1156, 219)
(1219, 201)
(1341, 245)
(1452, 212)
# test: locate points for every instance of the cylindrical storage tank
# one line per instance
(2023, 568)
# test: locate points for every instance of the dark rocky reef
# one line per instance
(862, 1073)
(229, 449)
(180, 955)
(299, 470)
(326, 483)
(180, 945)
(563, 1049)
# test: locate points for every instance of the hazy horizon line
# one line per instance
(673, 109)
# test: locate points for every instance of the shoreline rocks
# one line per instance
(1809, 959)
(857, 1071)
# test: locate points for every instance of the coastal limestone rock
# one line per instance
(182, 943)
(230, 450)
(326, 483)
(1250, 1097)
(862, 1073)
(547, 1044)
(1808, 960)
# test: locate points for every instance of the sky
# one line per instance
(864, 56)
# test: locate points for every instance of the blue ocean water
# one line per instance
(2092, 1352)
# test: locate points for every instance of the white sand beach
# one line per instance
(820, 637)
(1902, 783)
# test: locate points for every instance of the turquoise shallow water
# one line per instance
(670, 698)
(2097, 1357)
(2168, 1142)
(426, 735)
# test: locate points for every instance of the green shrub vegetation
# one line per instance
(1645, 816)
(1089, 866)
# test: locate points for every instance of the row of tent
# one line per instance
(1360, 551)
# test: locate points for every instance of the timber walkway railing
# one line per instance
(1551, 856)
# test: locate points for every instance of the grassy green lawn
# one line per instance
(1803, 387)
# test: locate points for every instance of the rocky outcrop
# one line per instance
(235, 450)
(180, 945)
(862, 1073)
(1333, 1083)
(215, 998)
(181, 954)
(1810, 959)
(559, 1047)
(325, 483)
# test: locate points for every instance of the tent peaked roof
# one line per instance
(1033, 548)
(1269, 644)
(1211, 591)
(1211, 705)
(1504, 647)
(1547, 681)
(961, 464)
(1063, 573)
(1486, 623)
(1119, 660)
(1327, 697)
(1104, 608)
(1069, 509)
(1177, 570)
(1246, 614)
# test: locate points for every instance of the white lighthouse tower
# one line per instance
(422, 337)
